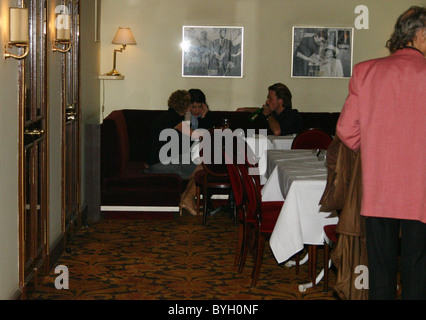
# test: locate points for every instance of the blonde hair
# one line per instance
(179, 101)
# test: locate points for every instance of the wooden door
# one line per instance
(33, 151)
(71, 126)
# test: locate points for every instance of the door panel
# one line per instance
(71, 125)
(33, 151)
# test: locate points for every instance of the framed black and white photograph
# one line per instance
(212, 51)
(322, 52)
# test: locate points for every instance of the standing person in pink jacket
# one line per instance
(384, 117)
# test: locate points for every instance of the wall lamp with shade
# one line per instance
(18, 32)
(63, 33)
(124, 37)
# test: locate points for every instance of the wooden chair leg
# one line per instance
(297, 263)
(245, 247)
(205, 196)
(326, 258)
(240, 245)
(260, 247)
(198, 199)
(313, 263)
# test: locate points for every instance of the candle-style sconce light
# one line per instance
(63, 33)
(18, 33)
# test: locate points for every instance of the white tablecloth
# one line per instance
(298, 178)
(261, 144)
(281, 142)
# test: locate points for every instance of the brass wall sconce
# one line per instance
(124, 37)
(18, 32)
(63, 33)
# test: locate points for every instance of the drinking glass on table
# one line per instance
(225, 123)
(322, 155)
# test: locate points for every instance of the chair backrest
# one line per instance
(313, 138)
(210, 154)
(237, 188)
(245, 155)
(244, 186)
(252, 193)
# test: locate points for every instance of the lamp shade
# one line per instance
(124, 36)
(18, 25)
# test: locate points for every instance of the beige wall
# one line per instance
(8, 165)
(153, 67)
(90, 84)
(55, 130)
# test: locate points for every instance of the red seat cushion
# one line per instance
(312, 139)
(330, 232)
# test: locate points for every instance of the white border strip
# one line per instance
(133, 208)
(152, 209)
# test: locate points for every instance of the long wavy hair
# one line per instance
(406, 27)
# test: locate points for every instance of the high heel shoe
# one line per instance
(187, 199)
(190, 209)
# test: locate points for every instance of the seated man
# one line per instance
(282, 119)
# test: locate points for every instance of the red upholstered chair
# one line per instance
(265, 213)
(256, 220)
(241, 153)
(313, 138)
(213, 179)
(330, 232)
(245, 224)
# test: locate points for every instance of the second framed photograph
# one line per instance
(322, 52)
(212, 51)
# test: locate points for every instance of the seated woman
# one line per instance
(168, 156)
(200, 115)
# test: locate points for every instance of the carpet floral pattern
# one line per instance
(176, 259)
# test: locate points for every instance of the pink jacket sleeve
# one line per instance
(348, 128)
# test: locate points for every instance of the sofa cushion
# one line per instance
(115, 145)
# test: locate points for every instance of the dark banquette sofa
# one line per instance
(124, 150)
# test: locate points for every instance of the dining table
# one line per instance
(297, 177)
(260, 144)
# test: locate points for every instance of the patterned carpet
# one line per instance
(174, 259)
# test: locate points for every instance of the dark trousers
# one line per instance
(383, 248)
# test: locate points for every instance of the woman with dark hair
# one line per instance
(384, 117)
(200, 115)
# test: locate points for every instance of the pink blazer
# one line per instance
(385, 116)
